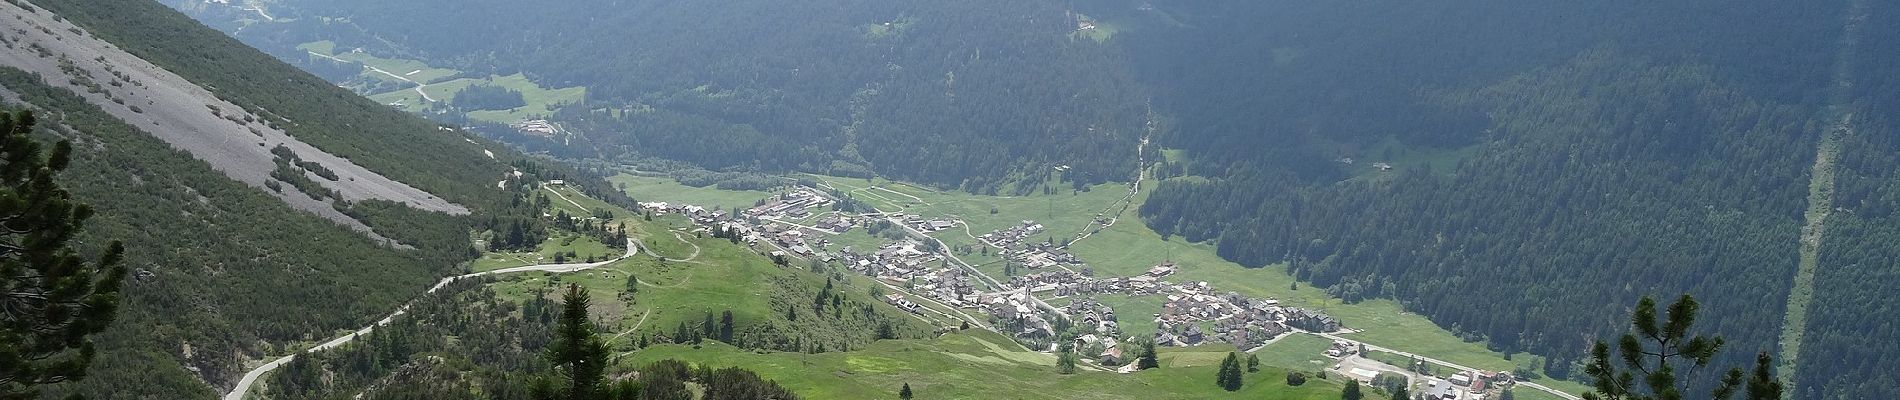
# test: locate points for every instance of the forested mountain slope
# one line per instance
(1519, 172)
(1848, 352)
(225, 272)
(248, 144)
(975, 94)
(1549, 161)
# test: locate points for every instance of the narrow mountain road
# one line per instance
(1107, 219)
(564, 197)
(419, 85)
(636, 326)
(250, 378)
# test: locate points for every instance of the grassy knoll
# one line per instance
(651, 188)
(1299, 351)
(723, 276)
(977, 364)
(580, 205)
(581, 245)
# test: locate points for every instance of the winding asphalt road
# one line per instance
(250, 378)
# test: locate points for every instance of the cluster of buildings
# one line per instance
(921, 224)
(905, 263)
(1467, 385)
(1009, 237)
(536, 127)
(1061, 282)
(700, 215)
(1018, 315)
(798, 203)
(1018, 248)
(1192, 314)
(837, 223)
(1099, 328)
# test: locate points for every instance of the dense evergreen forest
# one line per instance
(1549, 161)
(976, 95)
(485, 97)
(1849, 352)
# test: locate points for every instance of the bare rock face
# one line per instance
(190, 118)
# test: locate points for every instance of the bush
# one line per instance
(1294, 378)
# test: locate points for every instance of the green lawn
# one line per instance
(1298, 351)
(977, 365)
(581, 245)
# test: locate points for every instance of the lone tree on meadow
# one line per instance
(1661, 348)
(1147, 359)
(1352, 391)
(51, 298)
(905, 392)
(1229, 376)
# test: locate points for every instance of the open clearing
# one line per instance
(664, 189)
(540, 101)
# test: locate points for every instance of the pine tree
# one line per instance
(725, 327)
(905, 392)
(1065, 363)
(1507, 395)
(1148, 358)
(1229, 376)
(1763, 385)
(1401, 393)
(1660, 348)
(577, 352)
(1352, 391)
(53, 298)
(1253, 363)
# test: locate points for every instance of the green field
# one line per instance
(979, 364)
(581, 245)
(410, 69)
(540, 101)
(1297, 351)
(651, 188)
